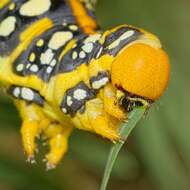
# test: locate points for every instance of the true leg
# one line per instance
(96, 119)
(111, 105)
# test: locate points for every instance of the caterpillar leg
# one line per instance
(96, 119)
(29, 131)
(33, 123)
(110, 103)
(58, 142)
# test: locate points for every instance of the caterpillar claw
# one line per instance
(50, 166)
(29, 131)
(31, 160)
(58, 147)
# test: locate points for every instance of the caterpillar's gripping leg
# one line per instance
(111, 105)
(29, 131)
(58, 142)
(33, 123)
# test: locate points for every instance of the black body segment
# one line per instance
(42, 55)
(27, 94)
(76, 97)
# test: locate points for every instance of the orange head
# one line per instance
(141, 70)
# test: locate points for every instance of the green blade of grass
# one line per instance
(125, 130)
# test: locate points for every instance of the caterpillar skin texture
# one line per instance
(63, 72)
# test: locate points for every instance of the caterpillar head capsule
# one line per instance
(141, 70)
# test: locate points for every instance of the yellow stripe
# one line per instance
(3, 3)
(64, 81)
(29, 34)
(87, 23)
(66, 49)
(6, 73)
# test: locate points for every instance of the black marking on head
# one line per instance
(75, 98)
(129, 105)
(99, 81)
(27, 94)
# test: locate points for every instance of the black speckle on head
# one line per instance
(131, 101)
(127, 105)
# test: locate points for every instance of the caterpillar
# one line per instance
(63, 72)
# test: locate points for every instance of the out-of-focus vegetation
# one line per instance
(157, 155)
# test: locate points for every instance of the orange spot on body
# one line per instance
(142, 70)
(87, 23)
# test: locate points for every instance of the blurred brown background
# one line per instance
(157, 155)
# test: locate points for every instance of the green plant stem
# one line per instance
(125, 130)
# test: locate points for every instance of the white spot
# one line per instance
(100, 83)
(122, 37)
(35, 7)
(7, 26)
(73, 27)
(80, 94)
(53, 62)
(34, 68)
(59, 39)
(74, 55)
(64, 110)
(127, 34)
(20, 67)
(28, 65)
(92, 38)
(88, 47)
(49, 70)
(16, 92)
(82, 54)
(27, 94)
(69, 101)
(99, 53)
(47, 56)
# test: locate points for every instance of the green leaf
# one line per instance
(125, 130)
